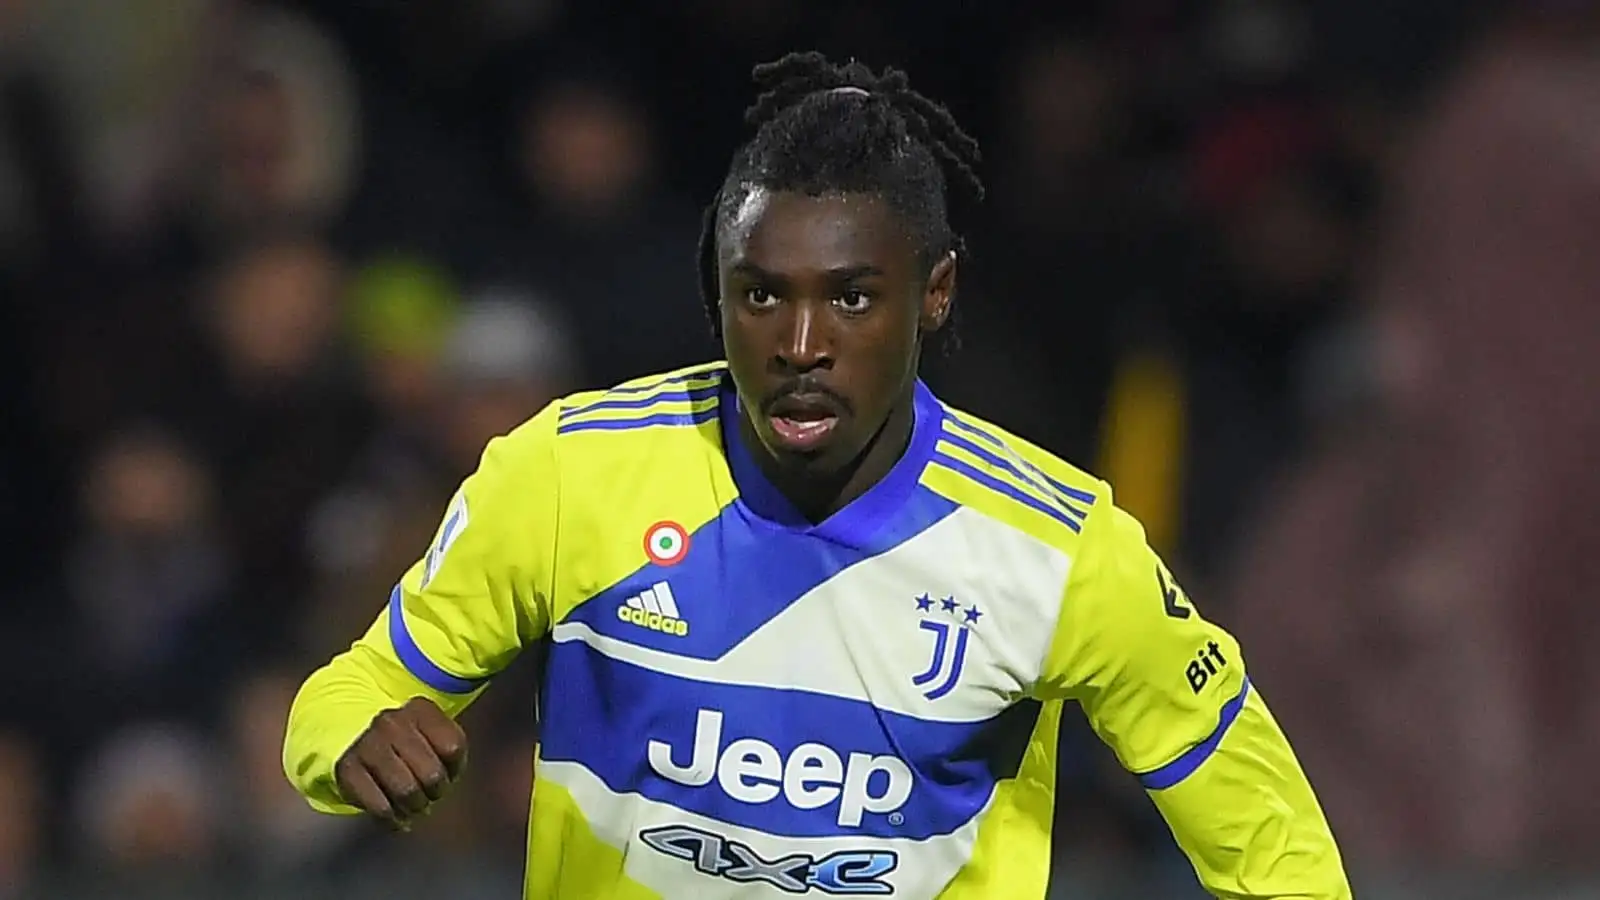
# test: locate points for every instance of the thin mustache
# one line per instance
(804, 386)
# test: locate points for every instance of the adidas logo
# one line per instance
(654, 608)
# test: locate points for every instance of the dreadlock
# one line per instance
(822, 127)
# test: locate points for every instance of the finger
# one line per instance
(360, 789)
(394, 777)
(419, 756)
(448, 741)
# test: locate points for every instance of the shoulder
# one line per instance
(994, 472)
(680, 399)
(640, 418)
(642, 443)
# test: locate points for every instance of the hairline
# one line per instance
(923, 245)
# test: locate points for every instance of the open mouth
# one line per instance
(803, 422)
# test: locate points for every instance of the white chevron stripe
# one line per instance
(1015, 580)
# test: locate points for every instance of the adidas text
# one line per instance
(654, 608)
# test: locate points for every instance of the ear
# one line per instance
(940, 295)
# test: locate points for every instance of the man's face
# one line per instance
(824, 303)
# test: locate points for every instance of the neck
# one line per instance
(818, 495)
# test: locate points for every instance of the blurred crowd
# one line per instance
(1307, 282)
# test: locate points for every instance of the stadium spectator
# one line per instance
(151, 585)
(281, 140)
(149, 808)
(274, 407)
(598, 230)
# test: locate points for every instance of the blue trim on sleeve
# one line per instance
(998, 461)
(1184, 766)
(1000, 487)
(684, 395)
(1071, 493)
(417, 662)
(681, 378)
(699, 417)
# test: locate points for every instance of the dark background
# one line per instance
(1310, 283)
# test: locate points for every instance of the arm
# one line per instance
(1167, 691)
(456, 618)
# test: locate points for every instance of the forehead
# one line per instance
(784, 230)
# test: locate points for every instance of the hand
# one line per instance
(402, 763)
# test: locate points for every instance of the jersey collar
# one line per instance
(861, 517)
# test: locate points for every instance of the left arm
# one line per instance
(1167, 691)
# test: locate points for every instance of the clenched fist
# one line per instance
(403, 762)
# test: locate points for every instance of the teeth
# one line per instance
(801, 428)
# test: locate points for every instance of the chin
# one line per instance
(794, 458)
(820, 460)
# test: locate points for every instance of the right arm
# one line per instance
(456, 618)
(1167, 692)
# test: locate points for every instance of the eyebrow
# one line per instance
(839, 273)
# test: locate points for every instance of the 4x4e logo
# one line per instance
(841, 872)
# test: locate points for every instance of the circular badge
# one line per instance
(666, 543)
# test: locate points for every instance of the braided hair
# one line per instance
(821, 127)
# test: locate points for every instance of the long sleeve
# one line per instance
(338, 702)
(455, 619)
(1168, 692)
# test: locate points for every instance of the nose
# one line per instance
(806, 342)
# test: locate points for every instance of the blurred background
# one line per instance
(1305, 281)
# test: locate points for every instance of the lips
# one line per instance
(802, 422)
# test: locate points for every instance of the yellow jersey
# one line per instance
(739, 702)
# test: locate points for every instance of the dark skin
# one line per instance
(403, 763)
(827, 296)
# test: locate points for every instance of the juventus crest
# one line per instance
(950, 623)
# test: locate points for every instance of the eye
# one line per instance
(760, 298)
(854, 301)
